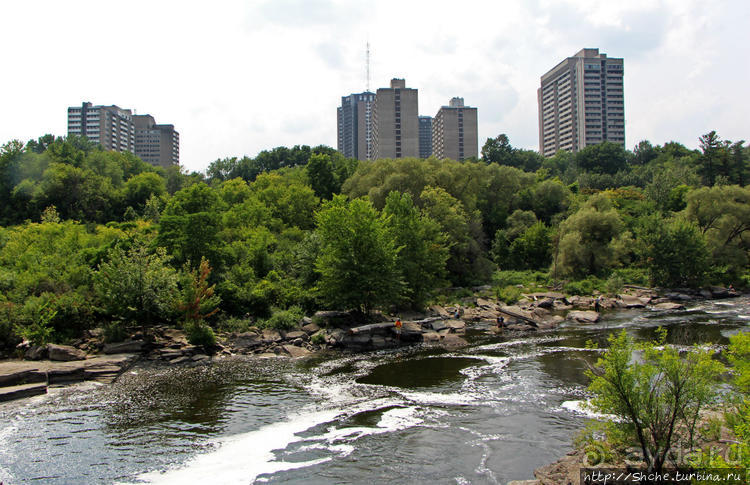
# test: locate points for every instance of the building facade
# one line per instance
(118, 129)
(454, 131)
(581, 103)
(156, 144)
(425, 136)
(395, 127)
(110, 126)
(355, 125)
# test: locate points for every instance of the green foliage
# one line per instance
(650, 396)
(197, 301)
(603, 158)
(424, 248)
(531, 250)
(199, 333)
(38, 330)
(614, 284)
(358, 263)
(136, 285)
(528, 279)
(676, 253)
(508, 294)
(190, 224)
(589, 239)
(739, 358)
(584, 287)
(284, 319)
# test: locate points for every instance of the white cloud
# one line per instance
(238, 77)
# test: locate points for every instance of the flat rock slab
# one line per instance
(24, 390)
(669, 306)
(583, 316)
(13, 376)
(64, 353)
(128, 346)
(296, 352)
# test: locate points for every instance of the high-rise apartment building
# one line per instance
(581, 103)
(156, 144)
(454, 131)
(355, 125)
(120, 130)
(425, 136)
(110, 126)
(395, 127)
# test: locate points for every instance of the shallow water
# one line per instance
(489, 413)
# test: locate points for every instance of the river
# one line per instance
(488, 413)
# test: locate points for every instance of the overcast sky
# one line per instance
(238, 77)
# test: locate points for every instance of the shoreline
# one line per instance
(437, 327)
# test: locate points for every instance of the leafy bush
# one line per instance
(614, 284)
(115, 331)
(509, 294)
(318, 339)
(37, 327)
(234, 324)
(284, 319)
(199, 333)
(529, 279)
(583, 287)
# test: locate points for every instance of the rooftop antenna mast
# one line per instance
(367, 62)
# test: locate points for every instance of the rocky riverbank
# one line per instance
(90, 358)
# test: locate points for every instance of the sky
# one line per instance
(239, 77)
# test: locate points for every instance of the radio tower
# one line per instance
(367, 63)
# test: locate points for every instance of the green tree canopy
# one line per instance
(358, 261)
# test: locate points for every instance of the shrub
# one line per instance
(199, 333)
(509, 294)
(284, 319)
(583, 287)
(614, 284)
(318, 339)
(114, 331)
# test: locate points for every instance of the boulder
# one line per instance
(247, 340)
(64, 353)
(430, 337)
(679, 296)
(295, 352)
(125, 347)
(453, 341)
(669, 306)
(631, 301)
(706, 294)
(37, 352)
(583, 316)
(486, 304)
(271, 336)
(547, 303)
(457, 326)
(295, 335)
(719, 292)
(180, 360)
(310, 328)
(438, 325)
(440, 311)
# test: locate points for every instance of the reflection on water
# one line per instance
(489, 413)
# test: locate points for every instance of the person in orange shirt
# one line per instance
(398, 328)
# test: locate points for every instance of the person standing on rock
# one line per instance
(597, 304)
(500, 322)
(398, 329)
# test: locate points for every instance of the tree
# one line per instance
(652, 397)
(358, 261)
(424, 248)
(531, 250)
(467, 264)
(197, 303)
(320, 171)
(498, 150)
(190, 224)
(603, 158)
(710, 145)
(676, 253)
(136, 285)
(588, 238)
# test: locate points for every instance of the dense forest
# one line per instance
(92, 238)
